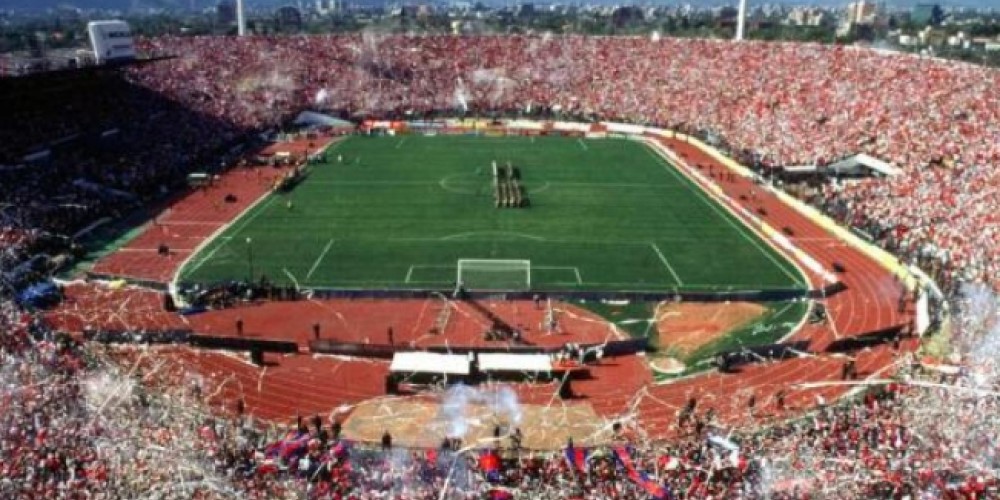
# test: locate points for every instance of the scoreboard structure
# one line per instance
(111, 41)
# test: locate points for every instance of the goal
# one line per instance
(494, 274)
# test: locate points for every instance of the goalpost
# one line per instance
(494, 274)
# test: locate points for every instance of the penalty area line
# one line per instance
(319, 259)
(576, 271)
(666, 264)
(409, 272)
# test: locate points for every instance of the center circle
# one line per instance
(468, 184)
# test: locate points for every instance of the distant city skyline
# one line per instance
(124, 5)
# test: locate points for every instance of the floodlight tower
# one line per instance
(741, 20)
(241, 20)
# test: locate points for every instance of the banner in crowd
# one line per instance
(623, 458)
(577, 457)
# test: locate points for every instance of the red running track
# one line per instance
(411, 321)
(306, 384)
(194, 218)
(90, 306)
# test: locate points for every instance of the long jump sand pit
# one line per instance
(683, 327)
(425, 422)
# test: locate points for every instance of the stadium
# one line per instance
(392, 266)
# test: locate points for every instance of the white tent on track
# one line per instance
(503, 362)
(430, 362)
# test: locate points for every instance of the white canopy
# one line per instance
(515, 363)
(429, 362)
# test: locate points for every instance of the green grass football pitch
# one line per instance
(399, 212)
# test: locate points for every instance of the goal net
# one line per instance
(494, 274)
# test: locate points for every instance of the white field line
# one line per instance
(798, 326)
(493, 233)
(741, 230)
(319, 259)
(576, 271)
(264, 198)
(401, 142)
(209, 255)
(269, 199)
(409, 274)
(245, 222)
(583, 144)
(666, 263)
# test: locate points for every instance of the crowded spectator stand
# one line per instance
(76, 423)
(893, 439)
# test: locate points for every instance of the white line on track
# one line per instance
(319, 259)
(666, 263)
